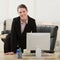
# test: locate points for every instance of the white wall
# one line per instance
(3, 10)
(48, 10)
(13, 7)
(3, 15)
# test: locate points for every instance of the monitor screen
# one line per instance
(38, 40)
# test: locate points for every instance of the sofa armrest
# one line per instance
(54, 31)
(6, 32)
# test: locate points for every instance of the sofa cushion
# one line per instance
(47, 29)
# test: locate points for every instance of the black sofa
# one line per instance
(52, 29)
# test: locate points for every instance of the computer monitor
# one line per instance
(38, 40)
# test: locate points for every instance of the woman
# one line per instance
(20, 26)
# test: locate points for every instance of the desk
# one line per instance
(13, 57)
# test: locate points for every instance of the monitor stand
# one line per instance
(45, 51)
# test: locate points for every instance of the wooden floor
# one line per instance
(55, 56)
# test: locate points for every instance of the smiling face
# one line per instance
(22, 12)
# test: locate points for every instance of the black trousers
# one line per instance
(7, 44)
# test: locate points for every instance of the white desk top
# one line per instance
(13, 57)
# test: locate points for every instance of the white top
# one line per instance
(23, 24)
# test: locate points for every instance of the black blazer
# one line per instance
(18, 38)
